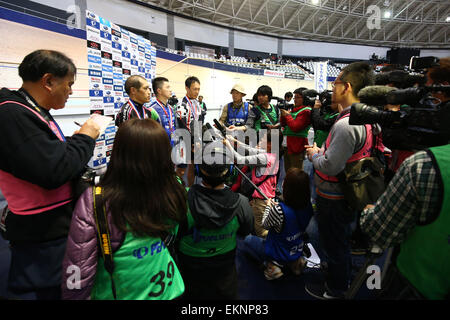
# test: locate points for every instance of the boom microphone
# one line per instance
(375, 95)
(224, 134)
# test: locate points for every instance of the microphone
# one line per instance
(310, 93)
(220, 127)
(375, 95)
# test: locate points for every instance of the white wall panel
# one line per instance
(335, 50)
(200, 32)
(248, 41)
(435, 53)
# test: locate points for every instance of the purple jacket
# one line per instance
(82, 248)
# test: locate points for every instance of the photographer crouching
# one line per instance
(413, 214)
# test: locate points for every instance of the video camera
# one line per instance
(422, 120)
(282, 104)
(309, 97)
(172, 101)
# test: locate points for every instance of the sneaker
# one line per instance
(272, 271)
(297, 266)
(319, 291)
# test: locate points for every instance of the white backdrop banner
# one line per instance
(320, 76)
(114, 54)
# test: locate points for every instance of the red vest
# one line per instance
(364, 152)
(25, 198)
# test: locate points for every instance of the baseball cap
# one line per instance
(238, 88)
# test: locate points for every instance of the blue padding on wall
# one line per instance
(23, 18)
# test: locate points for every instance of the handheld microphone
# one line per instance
(224, 134)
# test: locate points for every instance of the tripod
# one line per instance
(374, 253)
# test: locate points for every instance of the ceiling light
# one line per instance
(387, 14)
(315, 2)
(447, 20)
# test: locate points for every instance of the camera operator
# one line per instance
(235, 113)
(37, 167)
(263, 115)
(323, 116)
(296, 125)
(413, 214)
(345, 146)
(288, 98)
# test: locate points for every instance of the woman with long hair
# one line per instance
(144, 203)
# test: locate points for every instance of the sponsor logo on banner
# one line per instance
(116, 34)
(117, 64)
(106, 55)
(125, 54)
(133, 40)
(320, 76)
(92, 23)
(95, 66)
(109, 141)
(274, 73)
(116, 55)
(97, 111)
(91, 15)
(94, 59)
(141, 70)
(96, 86)
(91, 36)
(107, 62)
(126, 72)
(105, 22)
(109, 99)
(118, 88)
(118, 76)
(116, 45)
(94, 73)
(294, 75)
(105, 35)
(97, 80)
(94, 52)
(106, 46)
(107, 68)
(141, 49)
(107, 81)
(134, 62)
(96, 103)
(94, 45)
(95, 93)
(109, 109)
(107, 87)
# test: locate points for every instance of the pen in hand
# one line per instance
(77, 124)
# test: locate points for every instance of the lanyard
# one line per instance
(136, 110)
(51, 123)
(191, 108)
(170, 115)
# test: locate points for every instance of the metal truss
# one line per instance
(412, 23)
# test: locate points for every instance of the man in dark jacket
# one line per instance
(208, 245)
(37, 166)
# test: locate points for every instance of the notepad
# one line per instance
(102, 121)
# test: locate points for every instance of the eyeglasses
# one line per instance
(333, 84)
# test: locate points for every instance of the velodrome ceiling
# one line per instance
(411, 23)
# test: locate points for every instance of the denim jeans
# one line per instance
(254, 246)
(334, 220)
